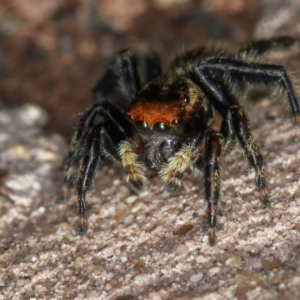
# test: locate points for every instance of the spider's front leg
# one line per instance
(107, 129)
(102, 128)
(122, 77)
(134, 170)
(85, 172)
(173, 171)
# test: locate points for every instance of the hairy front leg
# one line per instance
(85, 174)
(135, 171)
(172, 173)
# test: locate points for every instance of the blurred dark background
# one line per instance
(53, 52)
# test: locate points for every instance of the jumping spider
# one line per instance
(165, 122)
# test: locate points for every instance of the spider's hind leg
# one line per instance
(249, 72)
(260, 48)
(122, 77)
(153, 67)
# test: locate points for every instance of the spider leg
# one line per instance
(228, 133)
(153, 66)
(122, 76)
(135, 170)
(237, 70)
(241, 126)
(172, 173)
(236, 123)
(101, 130)
(76, 143)
(85, 173)
(263, 46)
(212, 175)
(96, 113)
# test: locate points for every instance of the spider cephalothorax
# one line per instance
(166, 122)
(171, 105)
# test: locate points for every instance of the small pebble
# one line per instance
(233, 261)
(137, 205)
(128, 220)
(78, 263)
(181, 249)
(196, 277)
(155, 296)
(141, 279)
(200, 259)
(92, 295)
(213, 271)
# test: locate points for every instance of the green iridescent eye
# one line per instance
(145, 125)
(142, 125)
(162, 126)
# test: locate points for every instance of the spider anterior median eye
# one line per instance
(142, 124)
(145, 125)
(160, 126)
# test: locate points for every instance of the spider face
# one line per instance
(165, 121)
(172, 106)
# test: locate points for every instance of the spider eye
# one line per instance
(160, 126)
(176, 122)
(185, 99)
(142, 125)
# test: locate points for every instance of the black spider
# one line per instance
(166, 122)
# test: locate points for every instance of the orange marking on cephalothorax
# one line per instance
(155, 112)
